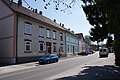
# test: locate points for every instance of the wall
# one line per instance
(7, 18)
(35, 39)
(71, 41)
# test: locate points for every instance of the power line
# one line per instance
(27, 4)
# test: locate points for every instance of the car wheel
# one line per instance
(56, 60)
(106, 55)
(39, 62)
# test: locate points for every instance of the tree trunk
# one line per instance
(117, 49)
(98, 45)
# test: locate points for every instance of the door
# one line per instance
(48, 47)
(73, 50)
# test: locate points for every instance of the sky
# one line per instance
(74, 19)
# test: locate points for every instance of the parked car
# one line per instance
(103, 52)
(91, 51)
(83, 53)
(49, 59)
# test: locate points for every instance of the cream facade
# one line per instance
(48, 45)
(26, 35)
(83, 46)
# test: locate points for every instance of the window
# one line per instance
(54, 35)
(67, 48)
(67, 38)
(28, 28)
(41, 31)
(54, 47)
(61, 36)
(61, 48)
(48, 33)
(27, 46)
(41, 46)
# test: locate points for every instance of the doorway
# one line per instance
(48, 47)
(73, 50)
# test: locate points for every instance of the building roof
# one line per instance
(70, 32)
(80, 35)
(24, 11)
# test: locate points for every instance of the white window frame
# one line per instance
(40, 46)
(54, 35)
(61, 48)
(27, 28)
(26, 44)
(68, 48)
(41, 31)
(61, 36)
(54, 45)
(48, 33)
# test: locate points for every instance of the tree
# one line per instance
(110, 10)
(109, 42)
(87, 39)
(98, 19)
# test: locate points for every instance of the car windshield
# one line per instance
(52, 55)
(104, 50)
(100, 50)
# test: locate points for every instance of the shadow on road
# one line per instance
(107, 72)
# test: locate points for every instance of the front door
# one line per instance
(48, 47)
(73, 50)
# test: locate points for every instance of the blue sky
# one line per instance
(76, 21)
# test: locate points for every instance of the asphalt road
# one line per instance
(44, 71)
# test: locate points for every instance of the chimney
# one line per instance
(11, 0)
(40, 12)
(54, 20)
(19, 3)
(35, 10)
(69, 29)
(72, 31)
(62, 25)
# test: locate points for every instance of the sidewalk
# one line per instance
(17, 67)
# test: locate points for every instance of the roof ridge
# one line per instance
(23, 10)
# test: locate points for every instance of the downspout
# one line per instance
(16, 38)
(65, 45)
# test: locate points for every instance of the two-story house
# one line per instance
(72, 43)
(83, 46)
(26, 35)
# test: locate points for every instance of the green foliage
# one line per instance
(112, 9)
(109, 42)
(97, 18)
(87, 39)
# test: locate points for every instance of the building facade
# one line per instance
(72, 44)
(83, 46)
(26, 35)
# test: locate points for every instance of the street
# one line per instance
(67, 68)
